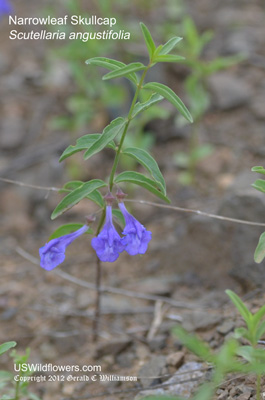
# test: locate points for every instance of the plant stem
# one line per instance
(129, 118)
(97, 314)
(17, 389)
(111, 181)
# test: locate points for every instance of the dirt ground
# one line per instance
(191, 259)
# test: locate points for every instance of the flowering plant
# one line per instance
(108, 244)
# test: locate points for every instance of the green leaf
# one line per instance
(193, 343)
(84, 143)
(67, 228)
(241, 332)
(77, 195)
(205, 392)
(223, 63)
(246, 314)
(6, 376)
(119, 216)
(259, 184)
(141, 180)
(148, 40)
(168, 46)
(168, 58)
(260, 331)
(247, 352)
(260, 170)
(108, 134)
(124, 71)
(113, 65)
(6, 346)
(259, 254)
(72, 185)
(259, 314)
(145, 159)
(139, 107)
(171, 96)
(95, 196)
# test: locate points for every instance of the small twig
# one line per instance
(150, 203)
(159, 314)
(51, 189)
(198, 212)
(108, 289)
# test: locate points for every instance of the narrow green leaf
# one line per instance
(246, 314)
(139, 107)
(260, 331)
(259, 184)
(141, 180)
(259, 314)
(113, 65)
(6, 346)
(124, 71)
(260, 170)
(193, 343)
(148, 40)
(171, 96)
(247, 352)
(168, 46)
(6, 376)
(67, 228)
(84, 143)
(145, 159)
(77, 195)
(205, 392)
(157, 50)
(241, 332)
(95, 196)
(168, 58)
(119, 216)
(72, 185)
(259, 254)
(108, 134)
(223, 63)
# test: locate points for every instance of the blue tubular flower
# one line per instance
(136, 236)
(5, 8)
(108, 244)
(52, 254)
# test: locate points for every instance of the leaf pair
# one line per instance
(94, 143)
(160, 53)
(255, 326)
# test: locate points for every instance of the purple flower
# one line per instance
(52, 254)
(5, 8)
(108, 244)
(136, 236)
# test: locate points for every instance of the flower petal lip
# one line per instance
(53, 253)
(108, 244)
(136, 237)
